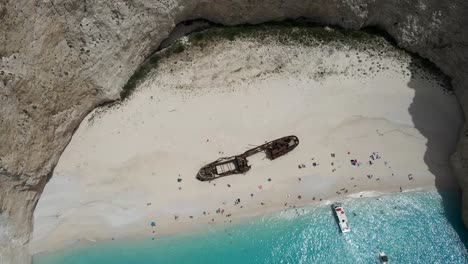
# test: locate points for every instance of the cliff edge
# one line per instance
(61, 59)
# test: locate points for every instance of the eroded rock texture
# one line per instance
(61, 59)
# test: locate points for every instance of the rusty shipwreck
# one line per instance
(239, 164)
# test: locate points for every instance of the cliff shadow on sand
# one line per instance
(438, 148)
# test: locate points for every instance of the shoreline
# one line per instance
(377, 223)
(240, 219)
(352, 110)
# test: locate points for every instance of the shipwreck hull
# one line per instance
(239, 164)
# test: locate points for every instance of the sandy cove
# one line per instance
(120, 172)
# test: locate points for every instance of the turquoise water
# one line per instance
(414, 227)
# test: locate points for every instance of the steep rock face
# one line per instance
(61, 59)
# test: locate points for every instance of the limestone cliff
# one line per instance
(62, 58)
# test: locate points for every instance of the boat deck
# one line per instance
(341, 218)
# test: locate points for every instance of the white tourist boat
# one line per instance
(341, 217)
(383, 257)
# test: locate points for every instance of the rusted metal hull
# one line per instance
(223, 167)
(239, 164)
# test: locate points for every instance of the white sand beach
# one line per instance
(120, 171)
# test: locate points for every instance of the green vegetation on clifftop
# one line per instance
(286, 33)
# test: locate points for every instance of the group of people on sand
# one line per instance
(374, 157)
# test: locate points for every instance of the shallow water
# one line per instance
(411, 227)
